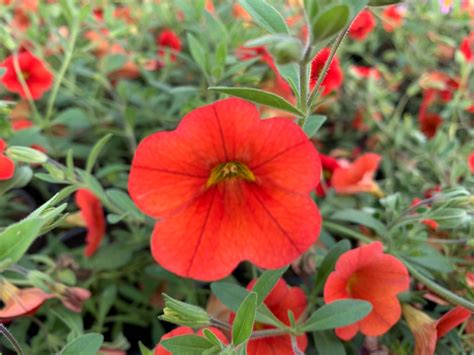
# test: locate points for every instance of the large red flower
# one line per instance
(37, 77)
(363, 24)
(334, 77)
(280, 300)
(160, 350)
(93, 215)
(366, 273)
(7, 166)
(427, 331)
(228, 187)
(358, 176)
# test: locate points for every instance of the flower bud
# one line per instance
(55, 171)
(26, 155)
(181, 313)
(288, 51)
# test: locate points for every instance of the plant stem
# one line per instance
(303, 89)
(220, 324)
(11, 339)
(62, 72)
(269, 333)
(294, 346)
(346, 231)
(439, 290)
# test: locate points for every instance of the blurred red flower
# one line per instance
(227, 187)
(160, 350)
(429, 124)
(37, 77)
(470, 162)
(366, 273)
(467, 47)
(392, 17)
(365, 72)
(93, 215)
(334, 77)
(329, 165)
(280, 300)
(358, 176)
(427, 331)
(430, 223)
(7, 166)
(363, 24)
(168, 42)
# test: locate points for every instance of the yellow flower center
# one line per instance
(229, 170)
(7, 290)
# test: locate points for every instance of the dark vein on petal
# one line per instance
(169, 172)
(277, 155)
(221, 132)
(202, 232)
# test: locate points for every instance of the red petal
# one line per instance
(7, 168)
(451, 320)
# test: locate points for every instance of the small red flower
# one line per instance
(392, 18)
(366, 273)
(160, 350)
(19, 302)
(358, 176)
(366, 72)
(427, 331)
(467, 47)
(280, 300)
(227, 187)
(430, 223)
(168, 42)
(329, 165)
(363, 24)
(37, 77)
(334, 76)
(7, 166)
(429, 124)
(470, 161)
(93, 215)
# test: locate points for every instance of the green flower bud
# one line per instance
(181, 313)
(26, 155)
(288, 51)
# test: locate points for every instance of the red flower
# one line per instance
(227, 187)
(168, 42)
(93, 215)
(7, 166)
(19, 302)
(366, 72)
(334, 77)
(280, 300)
(429, 124)
(467, 47)
(358, 176)
(366, 273)
(160, 350)
(37, 77)
(427, 331)
(430, 223)
(470, 161)
(363, 24)
(329, 165)
(392, 18)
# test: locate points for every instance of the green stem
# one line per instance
(303, 89)
(346, 231)
(11, 339)
(439, 290)
(62, 72)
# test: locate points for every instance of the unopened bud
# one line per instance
(288, 51)
(26, 155)
(181, 313)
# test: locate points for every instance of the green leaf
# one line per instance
(361, 217)
(259, 97)
(87, 344)
(124, 202)
(17, 238)
(72, 320)
(212, 337)
(266, 282)
(96, 150)
(330, 22)
(337, 314)
(328, 263)
(198, 53)
(312, 124)
(265, 15)
(383, 2)
(326, 342)
(74, 118)
(244, 319)
(144, 350)
(106, 301)
(187, 344)
(21, 178)
(113, 62)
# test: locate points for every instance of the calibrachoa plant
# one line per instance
(236, 177)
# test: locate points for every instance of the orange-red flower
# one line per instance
(392, 17)
(37, 77)
(280, 300)
(19, 302)
(427, 331)
(329, 165)
(227, 187)
(467, 47)
(358, 176)
(363, 24)
(93, 215)
(470, 162)
(334, 76)
(7, 166)
(168, 42)
(366, 273)
(430, 223)
(160, 350)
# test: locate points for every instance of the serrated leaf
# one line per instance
(265, 15)
(244, 319)
(259, 97)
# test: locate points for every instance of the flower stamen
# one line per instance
(229, 170)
